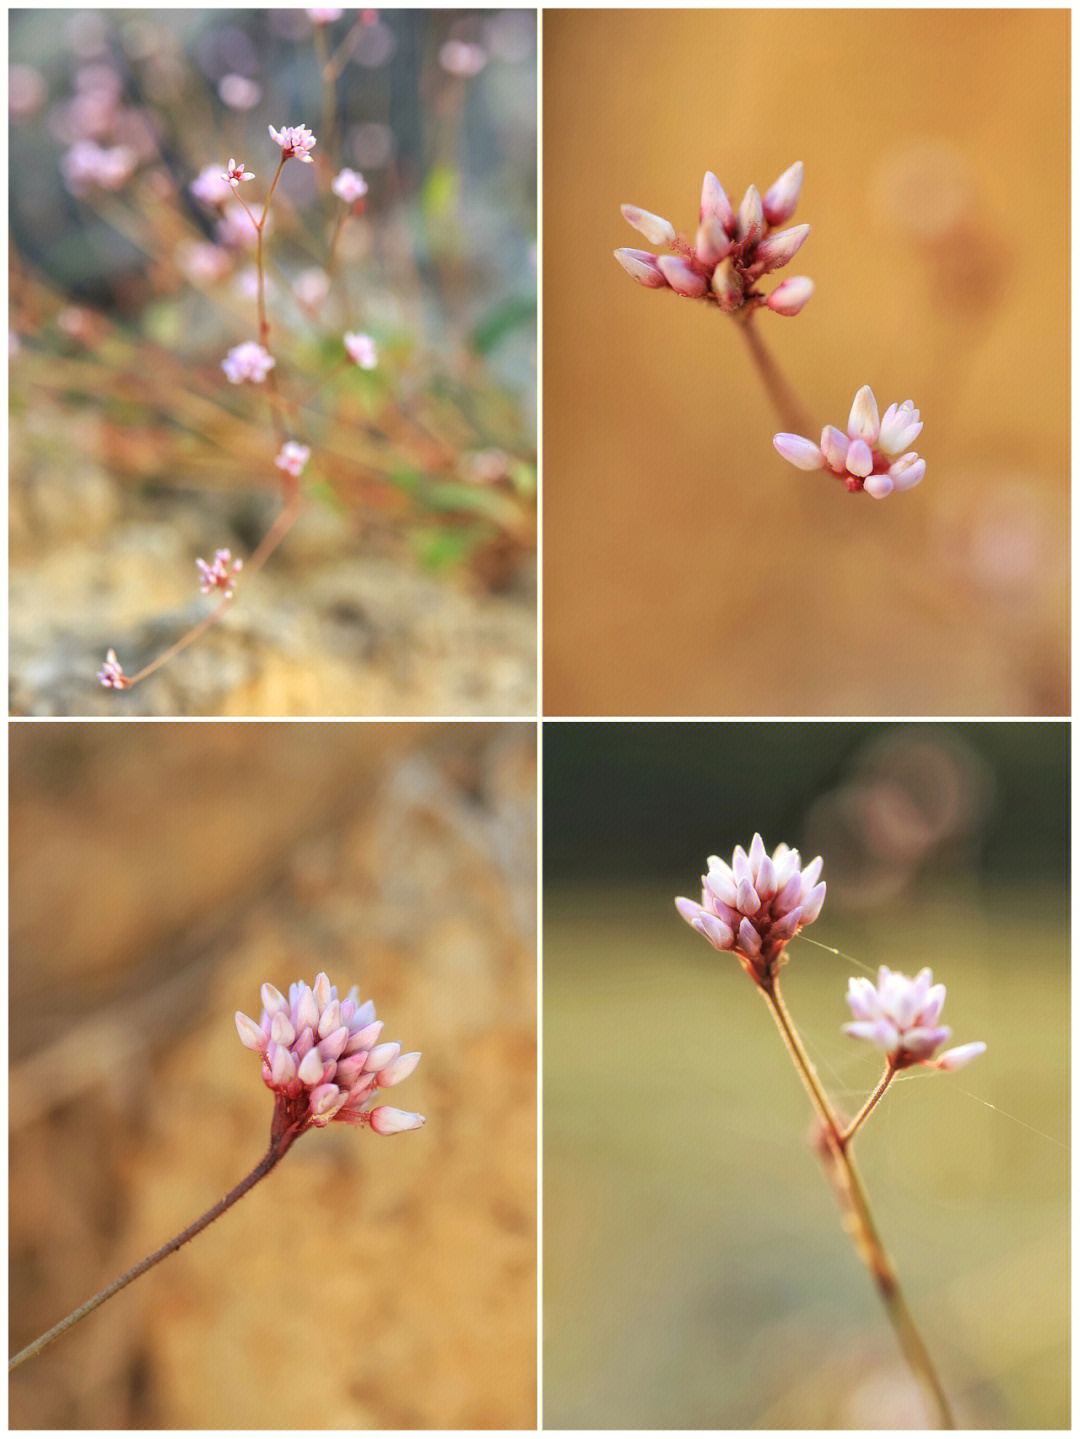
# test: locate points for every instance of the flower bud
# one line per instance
(790, 295)
(682, 277)
(385, 1120)
(777, 249)
(799, 451)
(751, 220)
(783, 195)
(656, 230)
(728, 286)
(642, 267)
(715, 202)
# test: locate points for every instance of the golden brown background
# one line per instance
(161, 873)
(688, 569)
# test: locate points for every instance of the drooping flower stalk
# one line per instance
(753, 908)
(323, 1060)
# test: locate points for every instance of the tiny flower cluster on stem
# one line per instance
(872, 456)
(732, 251)
(220, 573)
(322, 1058)
(900, 1015)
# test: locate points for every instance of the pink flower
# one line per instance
(755, 905)
(731, 251)
(900, 1015)
(293, 457)
(236, 172)
(295, 142)
(221, 574)
(361, 350)
(88, 166)
(112, 676)
(322, 1058)
(869, 456)
(349, 186)
(248, 361)
(210, 186)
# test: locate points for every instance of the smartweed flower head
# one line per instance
(296, 142)
(732, 251)
(111, 676)
(292, 457)
(236, 172)
(756, 904)
(872, 456)
(322, 1058)
(220, 574)
(900, 1015)
(361, 350)
(248, 361)
(349, 185)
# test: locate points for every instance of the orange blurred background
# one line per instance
(161, 873)
(687, 568)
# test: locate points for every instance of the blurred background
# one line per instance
(159, 875)
(934, 144)
(696, 1274)
(408, 584)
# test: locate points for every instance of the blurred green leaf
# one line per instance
(510, 315)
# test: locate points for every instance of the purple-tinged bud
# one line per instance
(250, 1034)
(719, 933)
(749, 939)
(811, 905)
(381, 1056)
(907, 471)
(682, 277)
(330, 1019)
(789, 892)
(325, 1100)
(283, 1067)
(656, 230)
(397, 1070)
(728, 286)
(307, 1011)
(755, 854)
(721, 882)
(282, 1030)
(366, 1012)
(349, 1070)
(860, 459)
(878, 485)
(749, 900)
(751, 220)
(273, 1000)
(799, 451)
(333, 1046)
(322, 990)
(863, 422)
(961, 1055)
(786, 927)
(765, 881)
(790, 295)
(385, 1120)
(778, 249)
(367, 1037)
(642, 267)
(834, 446)
(715, 202)
(783, 195)
(712, 243)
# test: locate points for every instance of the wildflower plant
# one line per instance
(227, 271)
(324, 1061)
(732, 252)
(753, 908)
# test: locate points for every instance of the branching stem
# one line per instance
(786, 402)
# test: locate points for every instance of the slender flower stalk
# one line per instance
(753, 908)
(322, 1058)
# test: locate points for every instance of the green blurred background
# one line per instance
(696, 1274)
(687, 568)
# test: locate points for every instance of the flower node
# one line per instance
(900, 1015)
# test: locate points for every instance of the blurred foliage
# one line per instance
(124, 300)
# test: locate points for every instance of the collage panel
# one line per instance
(897, 982)
(741, 403)
(192, 906)
(272, 362)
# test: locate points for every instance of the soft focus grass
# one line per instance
(696, 1273)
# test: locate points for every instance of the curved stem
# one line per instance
(279, 1144)
(784, 399)
(883, 1084)
(858, 1220)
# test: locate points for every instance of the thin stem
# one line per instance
(858, 1219)
(784, 399)
(182, 643)
(883, 1084)
(279, 1144)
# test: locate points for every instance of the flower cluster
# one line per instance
(220, 574)
(361, 350)
(296, 142)
(88, 166)
(349, 185)
(248, 361)
(292, 457)
(322, 1059)
(756, 904)
(900, 1015)
(236, 172)
(732, 250)
(872, 456)
(111, 676)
